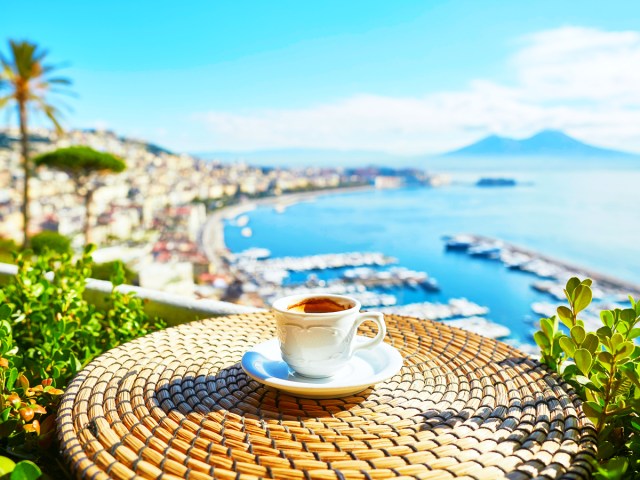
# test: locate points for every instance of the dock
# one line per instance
(455, 308)
(327, 261)
(542, 265)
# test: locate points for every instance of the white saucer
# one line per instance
(264, 364)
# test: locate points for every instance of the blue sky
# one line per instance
(402, 77)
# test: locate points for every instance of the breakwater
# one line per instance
(540, 264)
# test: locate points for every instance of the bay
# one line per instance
(589, 216)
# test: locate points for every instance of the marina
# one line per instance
(608, 292)
(268, 277)
(362, 278)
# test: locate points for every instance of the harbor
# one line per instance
(381, 281)
(551, 273)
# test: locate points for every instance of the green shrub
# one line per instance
(52, 241)
(48, 332)
(24, 470)
(604, 368)
(107, 270)
(7, 247)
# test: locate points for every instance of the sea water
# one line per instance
(588, 216)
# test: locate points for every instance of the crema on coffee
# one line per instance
(318, 305)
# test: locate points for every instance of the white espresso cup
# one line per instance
(317, 332)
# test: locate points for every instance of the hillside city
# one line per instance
(151, 216)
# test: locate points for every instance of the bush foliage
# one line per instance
(107, 270)
(48, 332)
(604, 368)
(53, 241)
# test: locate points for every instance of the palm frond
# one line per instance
(52, 113)
(27, 77)
(59, 81)
(51, 68)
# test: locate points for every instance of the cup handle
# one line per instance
(378, 318)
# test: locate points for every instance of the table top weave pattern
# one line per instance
(176, 404)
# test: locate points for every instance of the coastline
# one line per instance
(212, 236)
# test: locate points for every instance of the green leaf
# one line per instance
(591, 342)
(11, 378)
(605, 358)
(607, 318)
(616, 341)
(570, 370)
(567, 345)
(542, 340)
(578, 334)
(595, 379)
(37, 290)
(625, 349)
(628, 371)
(565, 315)
(546, 325)
(582, 380)
(583, 360)
(4, 416)
(587, 281)
(592, 410)
(623, 328)
(5, 311)
(628, 315)
(26, 470)
(572, 283)
(75, 363)
(634, 333)
(581, 297)
(604, 334)
(614, 468)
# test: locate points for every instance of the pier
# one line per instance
(327, 261)
(456, 308)
(544, 266)
(398, 277)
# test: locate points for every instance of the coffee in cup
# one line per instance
(318, 305)
(317, 332)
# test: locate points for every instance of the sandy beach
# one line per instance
(212, 237)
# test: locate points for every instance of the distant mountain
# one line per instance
(544, 143)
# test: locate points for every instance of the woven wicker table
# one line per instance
(176, 404)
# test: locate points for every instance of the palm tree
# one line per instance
(84, 166)
(26, 82)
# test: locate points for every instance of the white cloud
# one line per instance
(584, 81)
(575, 63)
